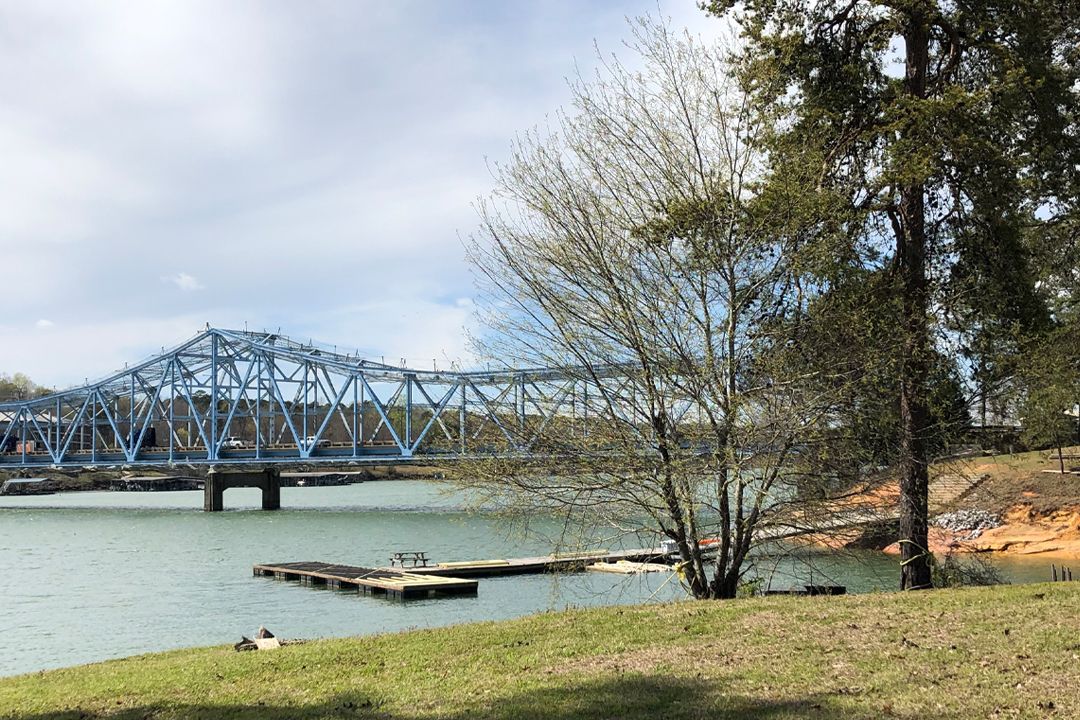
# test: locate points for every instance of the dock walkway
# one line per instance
(560, 562)
(368, 581)
(447, 578)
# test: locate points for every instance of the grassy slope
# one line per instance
(1006, 651)
(1020, 480)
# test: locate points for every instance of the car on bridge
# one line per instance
(232, 443)
(311, 442)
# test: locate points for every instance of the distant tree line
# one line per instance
(20, 387)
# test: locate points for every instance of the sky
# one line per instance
(304, 166)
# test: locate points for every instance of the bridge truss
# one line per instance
(239, 397)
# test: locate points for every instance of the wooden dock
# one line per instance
(368, 581)
(446, 578)
(629, 567)
(559, 562)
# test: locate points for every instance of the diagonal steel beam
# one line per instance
(491, 413)
(112, 423)
(338, 407)
(306, 452)
(241, 389)
(383, 419)
(74, 426)
(436, 416)
(199, 421)
(437, 413)
(272, 380)
(559, 400)
(382, 413)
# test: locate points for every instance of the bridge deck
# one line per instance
(371, 581)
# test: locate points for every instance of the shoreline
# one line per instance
(77, 481)
(1024, 533)
(1032, 509)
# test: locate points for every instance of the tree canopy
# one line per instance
(19, 387)
(631, 246)
(940, 136)
(821, 243)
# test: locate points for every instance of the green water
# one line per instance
(90, 576)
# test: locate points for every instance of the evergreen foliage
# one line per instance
(939, 137)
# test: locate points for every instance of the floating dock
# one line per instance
(368, 581)
(629, 567)
(447, 578)
(559, 562)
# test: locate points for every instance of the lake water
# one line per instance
(90, 576)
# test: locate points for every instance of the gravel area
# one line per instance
(967, 524)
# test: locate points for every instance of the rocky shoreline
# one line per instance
(1020, 531)
(52, 481)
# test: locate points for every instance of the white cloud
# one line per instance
(69, 354)
(413, 329)
(43, 323)
(310, 166)
(185, 282)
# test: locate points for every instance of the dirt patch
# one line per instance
(1026, 531)
(1044, 492)
(1040, 508)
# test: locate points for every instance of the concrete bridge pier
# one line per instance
(218, 481)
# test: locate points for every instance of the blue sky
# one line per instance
(309, 166)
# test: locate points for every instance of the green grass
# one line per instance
(1011, 651)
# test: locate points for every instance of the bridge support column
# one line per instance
(217, 482)
(271, 491)
(213, 492)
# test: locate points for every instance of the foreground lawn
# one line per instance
(989, 652)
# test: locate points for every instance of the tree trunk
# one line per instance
(982, 395)
(726, 586)
(914, 366)
(1061, 460)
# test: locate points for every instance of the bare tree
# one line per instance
(19, 387)
(626, 245)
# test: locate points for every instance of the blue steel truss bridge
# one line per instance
(229, 397)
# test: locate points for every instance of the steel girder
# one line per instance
(236, 397)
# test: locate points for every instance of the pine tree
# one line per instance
(939, 132)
